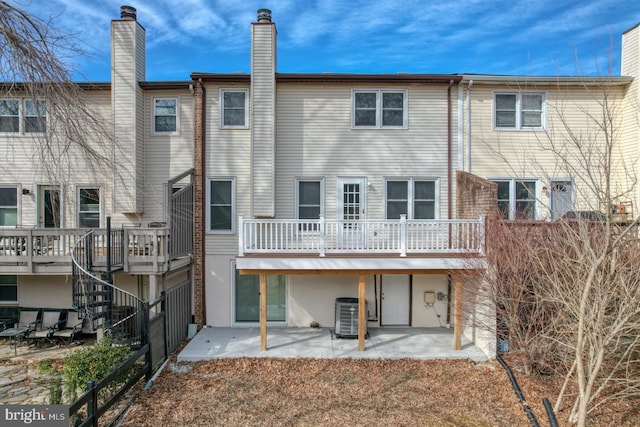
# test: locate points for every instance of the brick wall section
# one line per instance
(198, 200)
(475, 196)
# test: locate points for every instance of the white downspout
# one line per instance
(468, 169)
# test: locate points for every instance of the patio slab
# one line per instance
(321, 343)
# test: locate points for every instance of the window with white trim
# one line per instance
(234, 108)
(23, 116)
(220, 204)
(415, 198)
(9, 115)
(35, 116)
(165, 115)
(519, 110)
(9, 289)
(89, 207)
(8, 206)
(309, 201)
(517, 199)
(379, 109)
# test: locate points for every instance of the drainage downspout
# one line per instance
(468, 168)
(449, 149)
(460, 127)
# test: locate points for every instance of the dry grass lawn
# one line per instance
(347, 392)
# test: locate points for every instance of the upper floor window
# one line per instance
(221, 206)
(379, 109)
(165, 115)
(8, 206)
(234, 108)
(517, 199)
(89, 207)
(519, 110)
(30, 117)
(415, 198)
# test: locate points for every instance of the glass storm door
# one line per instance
(351, 206)
(49, 209)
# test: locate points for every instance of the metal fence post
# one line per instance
(146, 327)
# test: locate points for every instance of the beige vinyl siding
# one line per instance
(165, 155)
(127, 71)
(315, 139)
(630, 134)
(263, 96)
(227, 155)
(526, 153)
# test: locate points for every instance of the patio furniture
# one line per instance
(72, 326)
(15, 335)
(8, 317)
(29, 317)
(51, 321)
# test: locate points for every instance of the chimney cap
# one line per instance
(264, 15)
(128, 13)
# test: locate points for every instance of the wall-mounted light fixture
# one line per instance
(25, 191)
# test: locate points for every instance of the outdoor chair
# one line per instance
(29, 318)
(51, 321)
(8, 317)
(72, 326)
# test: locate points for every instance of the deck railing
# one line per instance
(324, 236)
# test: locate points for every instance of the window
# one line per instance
(35, 116)
(89, 207)
(8, 206)
(221, 206)
(519, 111)
(417, 199)
(9, 289)
(30, 118)
(9, 115)
(379, 109)
(247, 298)
(234, 108)
(165, 115)
(309, 200)
(517, 199)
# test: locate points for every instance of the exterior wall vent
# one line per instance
(264, 15)
(128, 13)
(347, 318)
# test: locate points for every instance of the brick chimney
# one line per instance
(263, 114)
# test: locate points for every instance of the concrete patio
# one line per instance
(321, 343)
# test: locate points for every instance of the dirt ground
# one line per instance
(348, 392)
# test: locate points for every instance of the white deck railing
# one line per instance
(323, 236)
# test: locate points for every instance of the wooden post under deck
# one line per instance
(361, 313)
(457, 320)
(263, 312)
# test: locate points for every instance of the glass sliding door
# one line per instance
(247, 298)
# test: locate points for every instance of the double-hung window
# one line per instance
(234, 108)
(9, 115)
(415, 198)
(517, 199)
(519, 110)
(309, 203)
(23, 116)
(379, 109)
(165, 115)
(8, 206)
(89, 207)
(9, 289)
(221, 206)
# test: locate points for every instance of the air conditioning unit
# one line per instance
(347, 318)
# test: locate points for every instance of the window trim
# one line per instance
(18, 189)
(379, 109)
(297, 198)
(518, 112)
(22, 116)
(512, 195)
(411, 195)
(79, 212)
(177, 116)
(19, 116)
(10, 302)
(232, 230)
(222, 109)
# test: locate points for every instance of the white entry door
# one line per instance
(396, 298)
(351, 209)
(561, 198)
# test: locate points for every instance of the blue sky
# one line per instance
(515, 37)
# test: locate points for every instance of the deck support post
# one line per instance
(263, 312)
(457, 320)
(361, 312)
